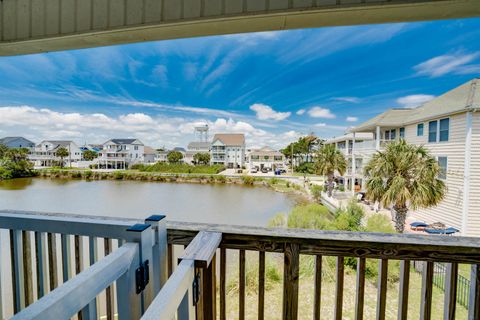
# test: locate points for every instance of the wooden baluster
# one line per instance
(90, 311)
(474, 302)
(426, 297)
(66, 257)
(261, 285)
(450, 291)
(403, 289)
(318, 288)
(241, 286)
(170, 259)
(52, 261)
(109, 291)
(223, 283)
(360, 294)
(382, 289)
(27, 267)
(18, 285)
(41, 264)
(209, 285)
(339, 289)
(291, 270)
(78, 242)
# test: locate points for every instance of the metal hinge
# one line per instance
(196, 288)
(142, 276)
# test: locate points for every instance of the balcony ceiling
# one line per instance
(50, 25)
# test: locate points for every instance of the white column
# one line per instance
(378, 136)
(466, 174)
(354, 166)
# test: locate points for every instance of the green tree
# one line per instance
(174, 156)
(329, 159)
(201, 158)
(404, 176)
(303, 148)
(62, 152)
(89, 155)
(14, 163)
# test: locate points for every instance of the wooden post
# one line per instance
(18, 284)
(318, 288)
(110, 299)
(52, 261)
(261, 285)
(339, 290)
(290, 281)
(450, 291)
(223, 283)
(360, 294)
(426, 297)
(403, 289)
(382, 289)
(241, 285)
(159, 252)
(41, 264)
(27, 267)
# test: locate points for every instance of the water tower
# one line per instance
(201, 133)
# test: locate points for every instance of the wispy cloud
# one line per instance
(347, 99)
(300, 112)
(455, 63)
(414, 100)
(265, 112)
(351, 119)
(319, 112)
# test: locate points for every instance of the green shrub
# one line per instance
(248, 180)
(118, 175)
(138, 166)
(307, 168)
(273, 181)
(87, 174)
(316, 191)
(182, 168)
(278, 221)
(221, 179)
(350, 218)
(379, 223)
(309, 216)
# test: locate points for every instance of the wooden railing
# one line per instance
(129, 261)
(293, 244)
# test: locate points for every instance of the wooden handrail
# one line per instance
(335, 243)
(73, 295)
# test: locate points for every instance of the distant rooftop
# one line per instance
(10, 139)
(199, 145)
(232, 139)
(124, 141)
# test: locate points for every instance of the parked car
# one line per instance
(264, 170)
(254, 170)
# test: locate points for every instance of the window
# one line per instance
(420, 130)
(402, 133)
(443, 163)
(387, 135)
(432, 131)
(444, 129)
(135, 147)
(393, 134)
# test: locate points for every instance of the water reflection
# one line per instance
(15, 184)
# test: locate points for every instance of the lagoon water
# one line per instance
(228, 204)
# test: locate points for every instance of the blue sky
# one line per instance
(273, 86)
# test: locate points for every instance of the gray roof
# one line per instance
(460, 99)
(59, 142)
(123, 141)
(10, 139)
(199, 145)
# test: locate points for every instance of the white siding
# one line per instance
(473, 228)
(449, 211)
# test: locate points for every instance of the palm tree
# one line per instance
(329, 159)
(62, 152)
(404, 176)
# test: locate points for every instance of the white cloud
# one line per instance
(265, 112)
(414, 100)
(301, 112)
(38, 124)
(351, 119)
(319, 112)
(347, 99)
(457, 63)
(323, 125)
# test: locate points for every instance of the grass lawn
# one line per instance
(181, 168)
(273, 296)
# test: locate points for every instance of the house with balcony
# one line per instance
(357, 148)
(17, 142)
(45, 153)
(228, 149)
(266, 157)
(121, 153)
(449, 127)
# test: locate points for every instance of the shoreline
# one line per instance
(274, 183)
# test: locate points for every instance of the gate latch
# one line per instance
(196, 289)
(142, 276)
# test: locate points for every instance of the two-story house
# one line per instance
(121, 153)
(266, 157)
(45, 153)
(228, 149)
(449, 127)
(357, 148)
